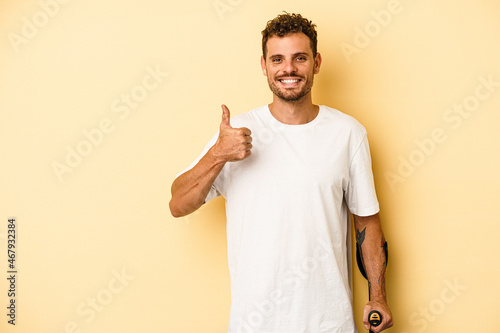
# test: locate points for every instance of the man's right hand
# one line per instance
(233, 144)
(190, 190)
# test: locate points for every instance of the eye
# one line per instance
(301, 58)
(276, 60)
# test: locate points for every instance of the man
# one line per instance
(290, 172)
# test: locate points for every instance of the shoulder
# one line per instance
(343, 121)
(249, 118)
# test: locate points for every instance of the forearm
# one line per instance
(370, 237)
(190, 189)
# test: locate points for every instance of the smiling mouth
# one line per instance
(289, 81)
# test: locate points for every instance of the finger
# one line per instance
(387, 322)
(245, 131)
(225, 123)
(366, 310)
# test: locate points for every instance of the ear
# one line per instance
(317, 63)
(263, 65)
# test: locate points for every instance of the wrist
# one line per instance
(378, 297)
(215, 156)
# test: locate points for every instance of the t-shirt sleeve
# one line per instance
(360, 195)
(213, 193)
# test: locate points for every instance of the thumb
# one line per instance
(225, 117)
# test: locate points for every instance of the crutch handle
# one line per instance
(374, 318)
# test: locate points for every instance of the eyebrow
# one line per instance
(293, 55)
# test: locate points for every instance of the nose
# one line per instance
(289, 67)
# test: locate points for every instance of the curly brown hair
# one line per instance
(286, 24)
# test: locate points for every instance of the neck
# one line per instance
(294, 113)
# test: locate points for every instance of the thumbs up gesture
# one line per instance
(233, 144)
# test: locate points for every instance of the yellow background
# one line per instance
(109, 215)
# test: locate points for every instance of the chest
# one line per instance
(311, 161)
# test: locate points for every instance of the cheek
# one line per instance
(271, 73)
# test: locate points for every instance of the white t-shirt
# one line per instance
(288, 225)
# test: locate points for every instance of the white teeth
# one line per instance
(289, 81)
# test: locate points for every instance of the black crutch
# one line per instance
(374, 317)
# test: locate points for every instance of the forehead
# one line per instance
(289, 44)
